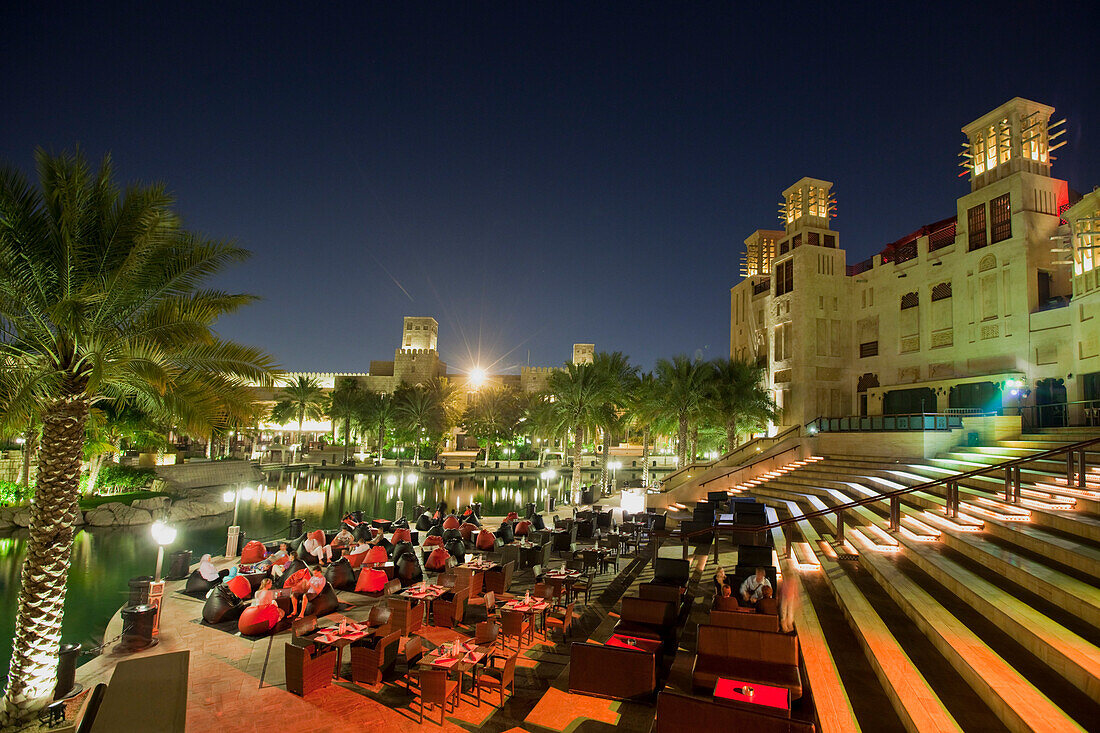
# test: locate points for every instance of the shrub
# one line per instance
(13, 493)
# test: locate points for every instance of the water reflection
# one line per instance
(104, 559)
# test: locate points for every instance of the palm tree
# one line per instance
(576, 396)
(344, 405)
(542, 423)
(377, 413)
(737, 399)
(419, 410)
(493, 416)
(644, 412)
(618, 376)
(300, 400)
(683, 385)
(103, 296)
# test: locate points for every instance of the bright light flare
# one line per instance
(163, 534)
(476, 377)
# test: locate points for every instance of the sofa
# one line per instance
(761, 657)
(678, 712)
(671, 571)
(635, 674)
(647, 619)
(740, 620)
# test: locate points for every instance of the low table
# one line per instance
(330, 636)
(649, 646)
(776, 700)
(462, 664)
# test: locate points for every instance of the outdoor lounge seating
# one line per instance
(259, 620)
(340, 574)
(499, 580)
(371, 580)
(369, 663)
(222, 605)
(448, 612)
(436, 688)
(196, 584)
(678, 713)
(762, 657)
(647, 619)
(634, 677)
(305, 672)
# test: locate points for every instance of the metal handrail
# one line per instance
(1012, 489)
(777, 438)
(743, 466)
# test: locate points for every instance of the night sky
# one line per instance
(531, 175)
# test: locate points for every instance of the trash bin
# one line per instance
(477, 509)
(529, 510)
(66, 672)
(137, 626)
(242, 540)
(139, 590)
(179, 565)
(297, 526)
(550, 503)
(973, 439)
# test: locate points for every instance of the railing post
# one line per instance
(1008, 484)
(788, 553)
(1082, 473)
(1016, 483)
(840, 527)
(952, 506)
(895, 514)
(716, 545)
(1069, 469)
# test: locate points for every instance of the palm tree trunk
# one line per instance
(416, 450)
(381, 439)
(731, 436)
(645, 456)
(604, 473)
(30, 439)
(93, 472)
(301, 419)
(694, 443)
(681, 442)
(575, 483)
(43, 577)
(347, 438)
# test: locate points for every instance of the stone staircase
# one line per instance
(986, 621)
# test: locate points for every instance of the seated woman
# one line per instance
(207, 569)
(265, 596)
(720, 580)
(280, 567)
(307, 590)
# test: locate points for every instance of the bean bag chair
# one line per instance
(401, 534)
(433, 540)
(437, 561)
(289, 581)
(537, 522)
(291, 569)
(385, 545)
(505, 533)
(466, 531)
(401, 548)
(326, 602)
(450, 535)
(486, 540)
(258, 620)
(254, 579)
(197, 584)
(319, 535)
(408, 569)
(221, 605)
(377, 555)
(451, 522)
(340, 574)
(435, 531)
(362, 532)
(424, 523)
(253, 552)
(402, 523)
(370, 581)
(356, 560)
(522, 528)
(512, 516)
(457, 550)
(472, 519)
(240, 586)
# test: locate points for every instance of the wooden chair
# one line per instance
(499, 581)
(448, 613)
(404, 616)
(611, 556)
(483, 607)
(562, 620)
(437, 689)
(391, 587)
(306, 673)
(409, 653)
(379, 616)
(486, 633)
(369, 663)
(497, 679)
(583, 583)
(590, 560)
(300, 629)
(517, 624)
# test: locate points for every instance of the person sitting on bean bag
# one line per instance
(318, 549)
(307, 590)
(277, 569)
(349, 521)
(265, 596)
(342, 539)
(207, 569)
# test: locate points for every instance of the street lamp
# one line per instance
(614, 466)
(163, 535)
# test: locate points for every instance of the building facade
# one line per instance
(988, 310)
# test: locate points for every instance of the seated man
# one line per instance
(307, 590)
(752, 589)
(726, 592)
(343, 538)
(360, 548)
(278, 567)
(323, 553)
(350, 522)
(767, 602)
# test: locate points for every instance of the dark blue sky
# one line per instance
(532, 175)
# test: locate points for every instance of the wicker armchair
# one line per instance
(448, 613)
(305, 672)
(499, 581)
(486, 633)
(480, 608)
(517, 624)
(404, 616)
(437, 689)
(369, 663)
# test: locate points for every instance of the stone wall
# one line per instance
(11, 466)
(208, 473)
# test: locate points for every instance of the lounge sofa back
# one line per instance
(678, 712)
(738, 620)
(671, 571)
(635, 674)
(760, 657)
(659, 592)
(647, 611)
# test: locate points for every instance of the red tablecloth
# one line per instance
(773, 697)
(641, 645)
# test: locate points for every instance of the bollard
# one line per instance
(400, 512)
(231, 541)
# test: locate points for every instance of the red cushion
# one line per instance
(357, 559)
(431, 540)
(467, 531)
(253, 552)
(371, 581)
(317, 534)
(257, 620)
(437, 560)
(377, 554)
(401, 534)
(297, 577)
(522, 528)
(240, 586)
(486, 540)
(511, 516)
(450, 523)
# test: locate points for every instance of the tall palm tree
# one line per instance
(618, 376)
(419, 410)
(377, 413)
(301, 400)
(543, 425)
(683, 385)
(737, 398)
(344, 405)
(103, 296)
(576, 395)
(493, 416)
(645, 413)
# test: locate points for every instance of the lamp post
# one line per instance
(163, 535)
(234, 529)
(614, 466)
